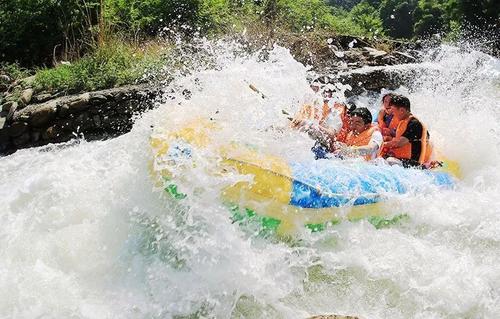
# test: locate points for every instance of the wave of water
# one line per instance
(86, 233)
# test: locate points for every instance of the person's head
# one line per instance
(386, 102)
(400, 106)
(350, 107)
(328, 90)
(315, 86)
(360, 120)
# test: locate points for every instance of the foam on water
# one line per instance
(86, 233)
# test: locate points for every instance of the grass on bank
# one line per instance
(113, 64)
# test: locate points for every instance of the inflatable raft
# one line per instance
(287, 196)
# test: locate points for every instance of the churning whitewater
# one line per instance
(87, 233)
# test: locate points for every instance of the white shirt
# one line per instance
(378, 140)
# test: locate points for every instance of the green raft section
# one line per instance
(268, 226)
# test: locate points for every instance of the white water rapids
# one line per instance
(84, 232)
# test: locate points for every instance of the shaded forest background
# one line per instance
(34, 32)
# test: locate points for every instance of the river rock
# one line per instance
(79, 104)
(35, 136)
(83, 122)
(12, 110)
(403, 57)
(374, 52)
(26, 96)
(43, 114)
(40, 98)
(7, 106)
(97, 120)
(98, 99)
(56, 133)
(22, 139)
(17, 128)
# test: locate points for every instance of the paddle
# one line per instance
(263, 96)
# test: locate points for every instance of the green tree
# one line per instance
(304, 15)
(429, 18)
(397, 17)
(480, 12)
(367, 18)
(32, 31)
(148, 16)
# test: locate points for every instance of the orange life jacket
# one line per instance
(404, 152)
(381, 123)
(361, 139)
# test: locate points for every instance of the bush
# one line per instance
(113, 64)
(304, 15)
(30, 31)
(367, 18)
(149, 16)
(14, 71)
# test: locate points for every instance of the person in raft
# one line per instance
(410, 146)
(386, 120)
(314, 109)
(326, 124)
(363, 140)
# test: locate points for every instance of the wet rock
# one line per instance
(3, 120)
(4, 141)
(63, 110)
(97, 114)
(22, 139)
(97, 120)
(56, 133)
(35, 136)
(17, 128)
(67, 125)
(83, 122)
(98, 99)
(404, 57)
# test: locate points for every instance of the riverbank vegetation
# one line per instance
(78, 45)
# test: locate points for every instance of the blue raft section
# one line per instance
(322, 184)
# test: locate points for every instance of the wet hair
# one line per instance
(400, 101)
(363, 113)
(391, 95)
(350, 107)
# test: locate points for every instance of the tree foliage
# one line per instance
(33, 32)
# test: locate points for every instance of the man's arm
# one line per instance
(322, 134)
(373, 146)
(397, 142)
(413, 133)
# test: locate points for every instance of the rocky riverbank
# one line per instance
(29, 118)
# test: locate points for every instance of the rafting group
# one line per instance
(343, 130)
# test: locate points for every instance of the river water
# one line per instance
(86, 233)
